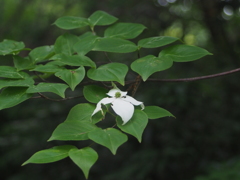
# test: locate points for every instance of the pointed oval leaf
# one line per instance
(56, 88)
(136, 125)
(94, 93)
(116, 45)
(10, 72)
(23, 63)
(71, 76)
(124, 30)
(71, 22)
(183, 53)
(42, 53)
(50, 155)
(150, 64)
(84, 158)
(85, 44)
(47, 68)
(16, 83)
(64, 44)
(155, 112)
(101, 18)
(72, 131)
(154, 42)
(109, 72)
(75, 60)
(110, 138)
(12, 96)
(10, 47)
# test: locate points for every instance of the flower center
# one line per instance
(117, 95)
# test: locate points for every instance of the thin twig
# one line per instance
(45, 97)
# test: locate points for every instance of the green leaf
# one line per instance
(109, 72)
(150, 64)
(72, 131)
(124, 30)
(75, 60)
(110, 138)
(71, 76)
(94, 93)
(115, 45)
(12, 96)
(50, 155)
(47, 68)
(154, 42)
(56, 88)
(14, 83)
(155, 112)
(10, 72)
(64, 44)
(23, 63)
(136, 124)
(83, 112)
(101, 18)
(183, 53)
(85, 44)
(71, 22)
(42, 53)
(84, 158)
(10, 47)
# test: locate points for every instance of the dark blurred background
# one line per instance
(201, 143)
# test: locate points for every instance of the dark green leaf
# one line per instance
(16, 83)
(155, 112)
(110, 138)
(71, 76)
(10, 72)
(109, 72)
(48, 68)
(94, 93)
(13, 96)
(23, 63)
(42, 53)
(154, 42)
(50, 155)
(101, 18)
(71, 22)
(150, 64)
(10, 47)
(72, 131)
(136, 124)
(124, 30)
(183, 53)
(84, 158)
(85, 43)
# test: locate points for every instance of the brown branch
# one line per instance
(196, 78)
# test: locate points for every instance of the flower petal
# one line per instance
(124, 109)
(99, 104)
(112, 92)
(133, 101)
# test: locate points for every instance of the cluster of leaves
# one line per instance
(67, 60)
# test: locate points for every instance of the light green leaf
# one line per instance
(10, 47)
(71, 76)
(124, 30)
(109, 72)
(71, 22)
(183, 53)
(94, 93)
(23, 63)
(84, 158)
(155, 112)
(47, 68)
(42, 53)
(50, 155)
(101, 18)
(72, 131)
(64, 44)
(16, 82)
(12, 96)
(75, 60)
(115, 45)
(10, 72)
(154, 42)
(150, 64)
(56, 88)
(110, 138)
(136, 124)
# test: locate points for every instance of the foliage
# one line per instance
(69, 62)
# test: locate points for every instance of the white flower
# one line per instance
(121, 103)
